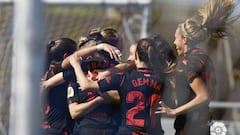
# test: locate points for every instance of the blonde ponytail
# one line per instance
(212, 19)
(216, 16)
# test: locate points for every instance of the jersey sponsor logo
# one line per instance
(70, 92)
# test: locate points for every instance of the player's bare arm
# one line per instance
(114, 52)
(85, 83)
(53, 81)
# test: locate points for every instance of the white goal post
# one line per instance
(27, 67)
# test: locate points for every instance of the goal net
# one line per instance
(73, 19)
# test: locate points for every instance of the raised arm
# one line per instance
(114, 52)
(53, 81)
(85, 83)
(119, 67)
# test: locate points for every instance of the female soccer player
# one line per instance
(92, 117)
(56, 117)
(139, 89)
(195, 79)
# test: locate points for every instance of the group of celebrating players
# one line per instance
(88, 89)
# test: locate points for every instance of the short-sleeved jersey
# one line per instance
(193, 64)
(190, 66)
(101, 117)
(140, 92)
(56, 117)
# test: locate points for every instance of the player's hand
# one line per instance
(74, 59)
(92, 75)
(113, 51)
(164, 109)
(102, 74)
(43, 84)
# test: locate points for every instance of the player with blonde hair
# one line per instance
(195, 78)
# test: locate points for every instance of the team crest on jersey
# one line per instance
(70, 92)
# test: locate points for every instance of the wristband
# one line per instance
(100, 47)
